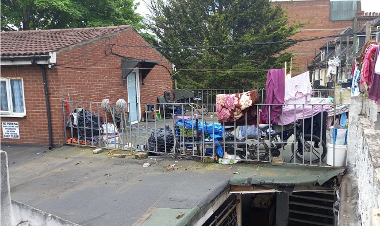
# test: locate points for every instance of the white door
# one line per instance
(133, 96)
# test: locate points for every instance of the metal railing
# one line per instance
(207, 97)
(295, 134)
(323, 93)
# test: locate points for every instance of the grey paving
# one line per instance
(90, 189)
(95, 189)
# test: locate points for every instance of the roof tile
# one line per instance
(37, 42)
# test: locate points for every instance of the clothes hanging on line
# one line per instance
(298, 89)
(275, 93)
(367, 67)
(364, 51)
(333, 64)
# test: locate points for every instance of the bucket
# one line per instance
(338, 136)
(340, 155)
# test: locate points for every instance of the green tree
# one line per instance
(50, 14)
(218, 22)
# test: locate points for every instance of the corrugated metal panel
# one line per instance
(342, 10)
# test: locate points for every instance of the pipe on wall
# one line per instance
(43, 69)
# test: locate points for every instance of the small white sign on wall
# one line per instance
(11, 130)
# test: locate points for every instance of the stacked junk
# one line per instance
(113, 131)
(88, 128)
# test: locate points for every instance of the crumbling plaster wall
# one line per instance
(363, 159)
(26, 215)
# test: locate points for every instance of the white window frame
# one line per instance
(10, 112)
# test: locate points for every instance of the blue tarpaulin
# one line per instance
(214, 130)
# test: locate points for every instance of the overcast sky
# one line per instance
(367, 6)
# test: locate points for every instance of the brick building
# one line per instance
(84, 63)
(321, 18)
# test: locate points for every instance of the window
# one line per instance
(12, 97)
(343, 10)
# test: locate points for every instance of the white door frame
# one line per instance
(137, 93)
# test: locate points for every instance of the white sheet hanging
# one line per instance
(298, 89)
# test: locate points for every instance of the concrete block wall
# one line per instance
(363, 158)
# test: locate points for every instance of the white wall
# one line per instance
(35, 217)
(363, 157)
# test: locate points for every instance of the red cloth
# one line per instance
(367, 67)
(353, 69)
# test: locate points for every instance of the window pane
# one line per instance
(342, 10)
(4, 96)
(17, 96)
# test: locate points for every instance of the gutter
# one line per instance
(30, 58)
(50, 58)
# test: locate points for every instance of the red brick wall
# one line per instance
(33, 127)
(88, 74)
(316, 15)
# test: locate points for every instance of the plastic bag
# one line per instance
(109, 129)
(86, 122)
(85, 118)
(160, 138)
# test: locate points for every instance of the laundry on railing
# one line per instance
(275, 94)
(232, 108)
(298, 89)
(291, 113)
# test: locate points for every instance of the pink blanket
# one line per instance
(231, 107)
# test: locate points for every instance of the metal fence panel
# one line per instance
(182, 129)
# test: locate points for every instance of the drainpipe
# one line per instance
(47, 105)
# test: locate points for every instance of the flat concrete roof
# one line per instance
(95, 189)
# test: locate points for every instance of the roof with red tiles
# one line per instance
(39, 42)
